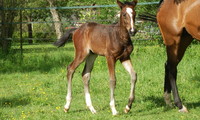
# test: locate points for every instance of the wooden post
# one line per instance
(2, 24)
(21, 40)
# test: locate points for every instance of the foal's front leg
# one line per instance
(111, 66)
(128, 66)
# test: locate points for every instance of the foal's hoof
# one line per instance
(127, 109)
(92, 110)
(115, 113)
(66, 110)
(183, 110)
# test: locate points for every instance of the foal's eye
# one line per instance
(124, 14)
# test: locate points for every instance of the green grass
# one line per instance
(34, 87)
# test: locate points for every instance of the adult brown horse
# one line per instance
(179, 23)
(113, 42)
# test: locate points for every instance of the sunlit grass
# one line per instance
(35, 87)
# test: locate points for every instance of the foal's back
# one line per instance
(101, 39)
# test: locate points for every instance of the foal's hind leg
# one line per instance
(128, 66)
(79, 58)
(86, 79)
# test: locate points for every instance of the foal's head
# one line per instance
(127, 15)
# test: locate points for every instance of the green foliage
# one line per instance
(100, 15)
(147, 8)
(35, 88)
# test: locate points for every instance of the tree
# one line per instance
(56, 19)
(7, 29)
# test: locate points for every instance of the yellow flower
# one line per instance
(58, 107)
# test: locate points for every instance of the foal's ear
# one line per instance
(120, 4)
(134, 2)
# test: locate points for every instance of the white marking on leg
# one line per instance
(130, 12)
(127, 109)
(184, 110)
(112, 106)
(128, 66)
(167, 98)
(68, 102)
(89, 103)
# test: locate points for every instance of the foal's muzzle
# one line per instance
(132, 32)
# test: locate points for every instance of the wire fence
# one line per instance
(43, 31)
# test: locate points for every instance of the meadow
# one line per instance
(33, 86)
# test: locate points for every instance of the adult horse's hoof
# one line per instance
(183, 110)
(127, 109)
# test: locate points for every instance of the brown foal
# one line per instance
(112, 41)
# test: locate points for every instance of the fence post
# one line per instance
(21, 40)
(2, 25)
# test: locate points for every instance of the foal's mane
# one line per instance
(129, 3)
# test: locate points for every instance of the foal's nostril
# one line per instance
(132, 32)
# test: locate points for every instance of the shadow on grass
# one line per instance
(15, 101)
(157, 101)
(196, 78)
(51, 58)
(42, 49)
(194, 105)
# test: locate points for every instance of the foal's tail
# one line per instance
(61, 42)
(148, 17)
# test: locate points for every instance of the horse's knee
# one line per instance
(171, 68)
(86, 78)
(68, 68)
(134, 74)
(133, 77)
(70, 72)
(112, 83)
(130, 100)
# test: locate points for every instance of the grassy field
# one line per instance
(34, 87)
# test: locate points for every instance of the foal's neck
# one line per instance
(121, 27)
(123, 32)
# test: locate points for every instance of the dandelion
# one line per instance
(58, 107)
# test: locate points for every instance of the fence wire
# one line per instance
(43, 30)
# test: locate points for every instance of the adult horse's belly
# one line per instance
(192, 19)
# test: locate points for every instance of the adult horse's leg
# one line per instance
(175, 53)
(86, 79)
(167, 87)
(128, 66)
(111, 66)
(79, 58)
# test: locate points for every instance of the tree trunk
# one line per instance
(7, 16)
(56, 19)
(30, 30)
